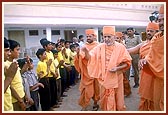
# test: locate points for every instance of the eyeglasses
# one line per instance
(88, 36)
(150, 31)
(107, 36)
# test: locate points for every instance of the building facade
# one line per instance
(29, 22)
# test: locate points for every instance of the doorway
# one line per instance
(17, 35)
(69, 34)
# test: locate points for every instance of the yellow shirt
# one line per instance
(8, 106)
(56, 64)
(72, 55)
(52, 68)
(60, 57)
(49, 55)
(17, 84)
(41, 67)
(67, 60)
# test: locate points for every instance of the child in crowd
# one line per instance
(73, 70)
(77, 75)
(9, 74)
(33, 85)
(23, 64)
(17, 89)
(42, 73)
(51, 75)
(66, 55)
(58, 79)
(62, 69)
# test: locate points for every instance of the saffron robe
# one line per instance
(155, 60)
(146, 86)
(111, 91)
(88, 88)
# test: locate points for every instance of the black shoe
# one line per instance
(95, 107)
(131, 76)
(136, 86)
(64, 95)
(51, 109)
(59, 103)
(55, 106)
(60, 100)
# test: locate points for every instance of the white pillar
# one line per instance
(96, 32)
(48, 33)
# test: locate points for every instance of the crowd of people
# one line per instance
(102, 69)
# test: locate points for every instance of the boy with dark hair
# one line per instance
(42, 70)
(17, 88)
(52, 75)
(66, 55)
(73, 72)
(61, 68)
(8, 76)
(28, 100)
(34, 84)
(62, 42)
(42, 40)
(58, 79)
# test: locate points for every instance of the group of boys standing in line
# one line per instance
(55, 75)
(103, 68)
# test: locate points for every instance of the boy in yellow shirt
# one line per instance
(52, 75)
(62, 69)
(42, 73)
(57, 65)
(73, 73)
(66, 55)
(17, 89)
(8, 77)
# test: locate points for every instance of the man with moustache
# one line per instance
(89, 87)
(131, 41)
(146, 76)
(155, 60)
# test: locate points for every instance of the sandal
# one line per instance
(95, 107)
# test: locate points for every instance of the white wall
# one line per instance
(59, 13)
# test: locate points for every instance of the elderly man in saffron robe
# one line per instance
(89, 87)
(107, 61)
(155, 60)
